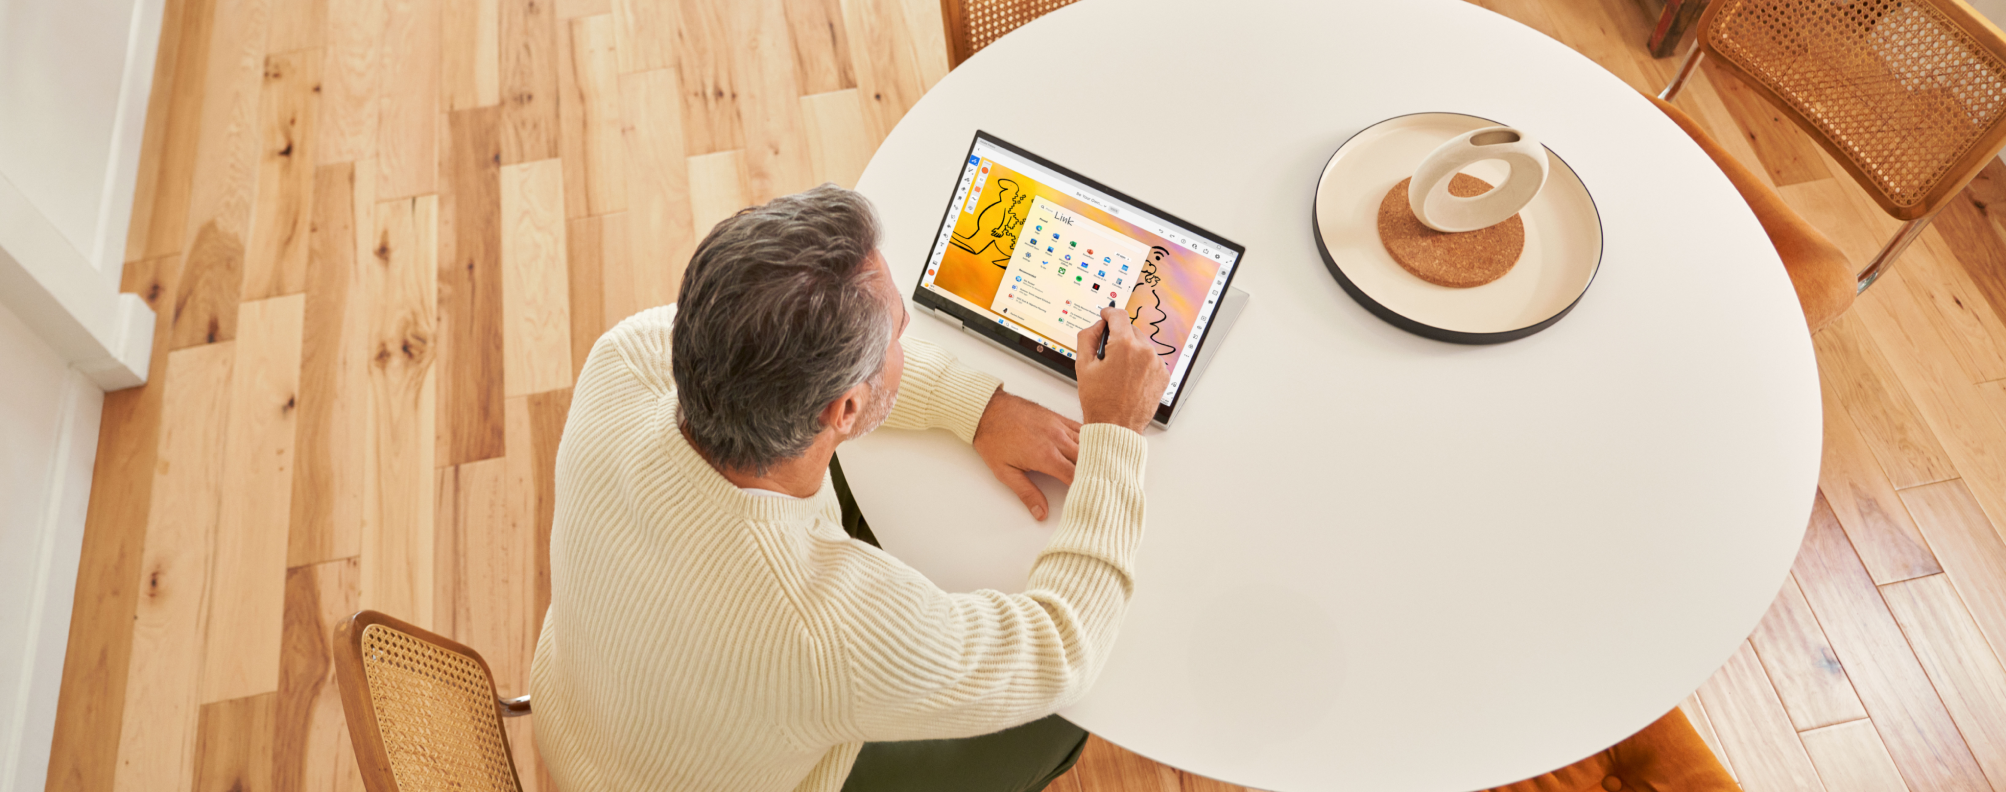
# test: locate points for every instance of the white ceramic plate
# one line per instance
(1563, 238)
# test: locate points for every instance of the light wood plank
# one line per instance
(776, 158)
(1865, 501)
(311, 751)
(595, 158)
(711, 86)
(547, 414)
(625, 287)
(881, 44)
(234, 750)
(528, 81)
(247, 573)
(1965, 670)
(91, 703)
(1850, 757)
(1753, 728)
(282, 218)
(658, 192)
(929, 36)
(1963, 221)
(470, 296)
(1918, 731)
(397, 540)
(1851, 364)
(219, 206)
(645, 34)
(821, 46)
(573, 9)
(1955, 304)
(407, 133)
(1801, 665)
(1973, 551)
(840, 142)
(495, 567)
(584, 252)
(1972, 436)
(717, 189)
(334, 391)
(470, 54)
(495, 564)
(163, 679)
(296, 25)
(351, 79)
(1696, 714)
(1995, 394)
(166, 149)
(536, 297)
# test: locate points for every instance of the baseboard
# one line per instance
(29, 730)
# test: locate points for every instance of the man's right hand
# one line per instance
(1124, 387)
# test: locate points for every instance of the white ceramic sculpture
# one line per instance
(1428, 194)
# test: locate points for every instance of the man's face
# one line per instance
(885, 386)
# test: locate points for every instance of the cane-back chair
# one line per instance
(1909, 96)
(974, 24)
(422, 710)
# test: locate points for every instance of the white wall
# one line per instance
(74, 82)
(48, 440)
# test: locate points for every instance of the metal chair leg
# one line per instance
(1893, 249)
(1686, 68)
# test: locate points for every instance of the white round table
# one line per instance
(1374, 561)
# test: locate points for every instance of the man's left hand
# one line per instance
(1017, 436)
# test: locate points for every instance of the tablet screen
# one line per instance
(1030, 253)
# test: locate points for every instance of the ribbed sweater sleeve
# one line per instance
(937, 392)
(929, 664)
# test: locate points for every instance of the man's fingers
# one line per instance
(1090, 339)
(1033, 498)
(1060, 468)
(1069, 447)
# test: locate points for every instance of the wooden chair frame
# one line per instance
(360, 710)
(1915, 217)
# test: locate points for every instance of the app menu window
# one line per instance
(1064, 271)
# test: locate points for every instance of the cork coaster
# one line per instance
(1458, 261)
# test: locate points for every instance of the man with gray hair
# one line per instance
(720, 617)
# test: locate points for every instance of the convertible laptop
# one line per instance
(1030, 253)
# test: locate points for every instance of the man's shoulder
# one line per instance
(638, 347)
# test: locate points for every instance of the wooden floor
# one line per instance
(381, 234)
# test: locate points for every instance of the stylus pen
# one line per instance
(1100, 352)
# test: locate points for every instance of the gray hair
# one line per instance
(776, 319)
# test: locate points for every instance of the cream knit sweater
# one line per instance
(704, 638)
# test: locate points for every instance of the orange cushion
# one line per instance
(1824, 277)
(1667, 756)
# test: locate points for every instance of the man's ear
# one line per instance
(842, 413)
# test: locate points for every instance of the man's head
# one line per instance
(786, 330)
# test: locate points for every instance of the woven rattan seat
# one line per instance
(422, 710)
(1908, 96)
(974, 24)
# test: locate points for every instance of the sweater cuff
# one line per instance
(960, 399)
(1104, 508)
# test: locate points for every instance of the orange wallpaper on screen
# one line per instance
(1171, 291)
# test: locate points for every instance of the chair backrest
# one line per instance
(973, 24)
(421, 709)
(1908, 95)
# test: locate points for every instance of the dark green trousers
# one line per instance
(1019, 759)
